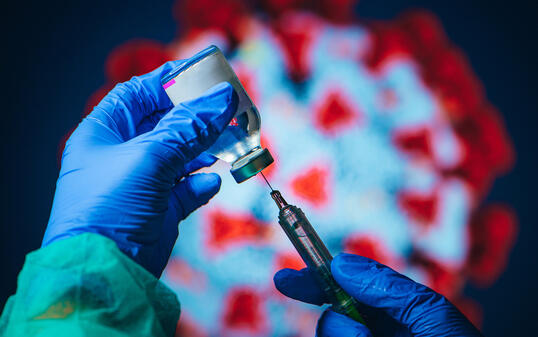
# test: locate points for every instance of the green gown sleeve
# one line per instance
(85, 286)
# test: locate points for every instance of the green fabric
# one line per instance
(85, 286)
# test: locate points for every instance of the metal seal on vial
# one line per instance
(251, 165)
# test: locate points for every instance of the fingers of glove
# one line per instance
(203, 160)
(333, 324)
(128, 103)
(375, 285)
(189, 194)
(192, 127)
(194, 191)
(299, 285)
(148, 123)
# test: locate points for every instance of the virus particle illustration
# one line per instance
(380, 131)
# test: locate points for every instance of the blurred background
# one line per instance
(402, 129)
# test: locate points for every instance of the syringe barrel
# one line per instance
(317, 257)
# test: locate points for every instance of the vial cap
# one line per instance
(254, 165)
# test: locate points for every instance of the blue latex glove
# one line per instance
(121, 167)
(393, 305)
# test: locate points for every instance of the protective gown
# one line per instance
(85, 286)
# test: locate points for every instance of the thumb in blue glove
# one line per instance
(393, 304)
(126, 170)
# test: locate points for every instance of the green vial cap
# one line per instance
(251, 164)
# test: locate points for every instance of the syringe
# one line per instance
(314, 254)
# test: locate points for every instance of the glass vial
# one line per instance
(239, 144)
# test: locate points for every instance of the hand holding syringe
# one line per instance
(314, 254)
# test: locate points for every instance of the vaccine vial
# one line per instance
(239, 144)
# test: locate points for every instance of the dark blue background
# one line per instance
(55, 56)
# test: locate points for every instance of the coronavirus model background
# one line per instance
(381, 133)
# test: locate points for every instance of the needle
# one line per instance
(266, 181)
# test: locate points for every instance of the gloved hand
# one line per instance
(393, 305)
(121, 167)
